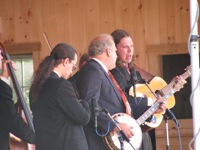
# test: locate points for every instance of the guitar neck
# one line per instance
(168, 90)
(148, 113)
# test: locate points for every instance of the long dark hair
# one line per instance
(117, 36)
(59, 52)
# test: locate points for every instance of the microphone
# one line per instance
(136, 77)
(133, 80)
(133, 74)
(95, 111)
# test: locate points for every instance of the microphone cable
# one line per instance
(177, 127)
(96, 111)
(108, 130)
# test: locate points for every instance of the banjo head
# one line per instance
(112, 140)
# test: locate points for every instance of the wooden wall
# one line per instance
(151, 22)
(158, 27)
(185, 130)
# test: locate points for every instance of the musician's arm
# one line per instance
(12, 120)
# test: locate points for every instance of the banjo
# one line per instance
(112, 141)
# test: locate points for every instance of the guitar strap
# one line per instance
(126, 103)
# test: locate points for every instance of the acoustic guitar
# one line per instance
(159, 86)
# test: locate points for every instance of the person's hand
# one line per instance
(128, 130)
(178, 83)
(163, 105)
(5, 72)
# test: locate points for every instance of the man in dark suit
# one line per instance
(94, 84)
(58, 115)
(10, 120)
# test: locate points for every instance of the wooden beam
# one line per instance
(167, 49)
(23, 48)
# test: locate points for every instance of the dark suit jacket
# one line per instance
(10, 120)
(58, 117)
(94, 83)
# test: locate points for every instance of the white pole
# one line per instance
(194, 55)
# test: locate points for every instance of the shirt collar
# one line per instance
(101, 63)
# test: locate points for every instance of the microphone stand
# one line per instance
(166, 131)
(166, 121)
(134, 91)
(169, 114)
(122, 137)
(166, 116)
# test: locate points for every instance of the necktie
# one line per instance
(128, 108)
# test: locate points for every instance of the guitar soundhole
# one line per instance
(158, 92)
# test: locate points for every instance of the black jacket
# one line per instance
(10, 120)
(59, 117)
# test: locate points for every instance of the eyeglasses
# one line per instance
(74, 66)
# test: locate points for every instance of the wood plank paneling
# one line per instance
(186, 130)
(158, 27)
(92, 19)
(152, 22)
(78, 21)
(182, 22)
(106, 16)
(77, 24)
(163, 21)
